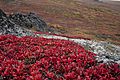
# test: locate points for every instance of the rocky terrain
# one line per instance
(76, 40)
(23, 24)
(105, 51)
(86, 18)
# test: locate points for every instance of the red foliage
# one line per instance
(29, 58)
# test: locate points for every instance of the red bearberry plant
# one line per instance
(34, 58)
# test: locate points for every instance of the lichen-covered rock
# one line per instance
(9, 27)
(20, 24)
(106, 52)
(29, 21)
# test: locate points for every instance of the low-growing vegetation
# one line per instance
(30, 58)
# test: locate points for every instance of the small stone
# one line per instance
(118, 62)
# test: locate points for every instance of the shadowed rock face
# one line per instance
(2, 14)
(19, 24)
(29, 21)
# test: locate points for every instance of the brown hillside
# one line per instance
(99, 21)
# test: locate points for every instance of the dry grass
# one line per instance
(73, 18)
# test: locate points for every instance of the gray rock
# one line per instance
(9, 27)
(106, 52)
(118, 62)
(2, 14)
(29, 21)
(20, 24)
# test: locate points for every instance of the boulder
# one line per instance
(9, 27)
(29, 21)
(21, 24)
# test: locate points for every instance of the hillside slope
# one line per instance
(99, 21)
